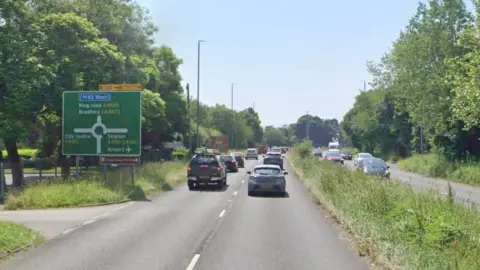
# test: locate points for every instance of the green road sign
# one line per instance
(102, 123)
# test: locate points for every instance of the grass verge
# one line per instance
(13, 236)
(391, 221)
(436, 166)
(149, 179)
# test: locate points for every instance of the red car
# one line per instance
(334, 156)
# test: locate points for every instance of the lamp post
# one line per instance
(198, 93)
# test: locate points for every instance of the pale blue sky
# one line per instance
(288, 57)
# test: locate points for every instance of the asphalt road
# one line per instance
(210, 229)
(463, 193)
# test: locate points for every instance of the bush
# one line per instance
(304, 149)
(23, 153)
(180, 153)
(414, 230)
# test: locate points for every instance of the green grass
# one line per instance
(13, 236)
(391, 221)
(435, 166)
(26, 152)
(149, 179)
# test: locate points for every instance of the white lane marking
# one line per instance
(229, 200)
(222, 213)
(88, 222)
(243, 181)
(193, 262)
(235, 193)
(68, 231)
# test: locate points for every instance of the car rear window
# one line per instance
(204, 160)
(226, 158)
(251, 151)
(273, 155)
(267, 171)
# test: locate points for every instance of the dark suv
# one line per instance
(206, 169)
(274, 158)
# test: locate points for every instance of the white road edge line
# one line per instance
(222, 213)
(193, 262)
(68, 231)
(88, 222)
(235, 193)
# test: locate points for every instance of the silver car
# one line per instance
(251, 153)
(359, 158)
(267, 178)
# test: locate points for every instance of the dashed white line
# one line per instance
(222, 213)
(193, 262)
(88, 222)
(243, 181)
(235, 193)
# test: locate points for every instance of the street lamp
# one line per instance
(198, 93)
(235, 123)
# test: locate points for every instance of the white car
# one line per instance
(251, 153)
(358, 159)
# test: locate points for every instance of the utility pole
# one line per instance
(307, 127)
(253, 106)
(198, 93)
(364, 86)
(188, 119)
(235, 120)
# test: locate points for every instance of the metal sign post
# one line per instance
(2, 181)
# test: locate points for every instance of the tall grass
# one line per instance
(149, 179)
(409, 229)
(432, 165)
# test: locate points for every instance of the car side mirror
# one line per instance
(249, 172)
(388, 167)
(285, 173)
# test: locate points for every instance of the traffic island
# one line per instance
(391, 222)
(14, 238)
(151, 178)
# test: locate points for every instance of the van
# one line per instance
(333, 146)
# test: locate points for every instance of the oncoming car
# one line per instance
(267, 178)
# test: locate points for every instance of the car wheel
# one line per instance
(256, 158)
(250, 193)
(191, 185)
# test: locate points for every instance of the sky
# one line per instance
(286, 58)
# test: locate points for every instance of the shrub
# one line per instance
(304, 149)
(180, 153)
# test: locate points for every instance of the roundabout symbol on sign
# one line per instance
(104, 131)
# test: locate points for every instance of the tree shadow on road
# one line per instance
(138, 194)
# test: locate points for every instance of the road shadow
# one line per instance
(211, 188)
(261, 194)
(138, 194)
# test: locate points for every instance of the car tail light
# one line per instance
(189, 169)
(234, 161)
(219, 170)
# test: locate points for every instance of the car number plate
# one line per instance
(266, 187)
(204, 177)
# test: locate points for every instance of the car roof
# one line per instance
(272, 153)
(266, 166)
